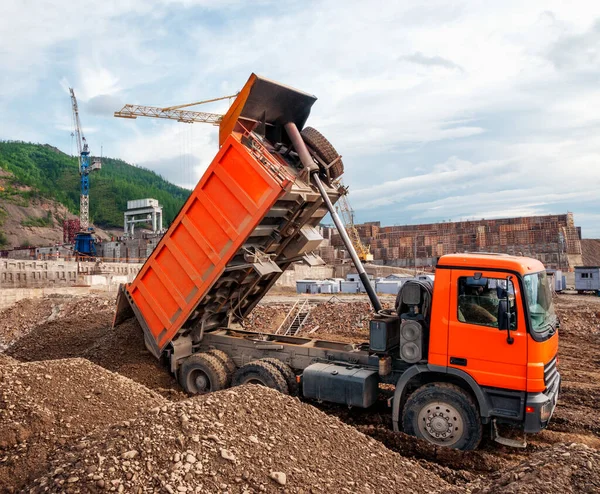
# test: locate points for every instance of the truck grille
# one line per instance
(550, 375)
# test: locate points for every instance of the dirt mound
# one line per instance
(6, 360)
(21, 318)
(348, 321)
(247, 439)
(335, 320)
(85, 331)
(43, 404)
(564, 468)
(579, 316)
(266, 318)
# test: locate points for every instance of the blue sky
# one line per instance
(453, 110)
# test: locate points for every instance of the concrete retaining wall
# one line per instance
(17, 273)
(302, 272)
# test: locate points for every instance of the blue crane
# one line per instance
(85, 243)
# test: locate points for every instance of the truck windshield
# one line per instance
(539, 302)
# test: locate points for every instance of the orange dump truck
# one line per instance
(475, 349)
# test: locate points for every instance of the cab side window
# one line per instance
(486, 301)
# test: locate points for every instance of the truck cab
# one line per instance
(491, 330)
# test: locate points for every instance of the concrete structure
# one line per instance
(143, 211)
(301, 271)
(553, 239)
(16, 273)
(53, 253)
(587, 278)
(129, 249)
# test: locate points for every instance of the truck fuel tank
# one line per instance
(350, 385)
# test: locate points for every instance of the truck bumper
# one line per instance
(539, 408)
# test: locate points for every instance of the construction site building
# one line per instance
(552, 239)
(145, 211)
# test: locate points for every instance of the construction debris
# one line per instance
(563, 468)
(46, 404)
(204, 445)
(21, 318)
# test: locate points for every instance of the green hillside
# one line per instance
(54, 175)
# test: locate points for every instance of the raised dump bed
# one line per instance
(252, 214)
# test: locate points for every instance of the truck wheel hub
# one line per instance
(202, 383)
(440, 423)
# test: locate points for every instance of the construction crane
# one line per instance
(174, 112)
(84, 240)
(189, 116)
(347, 213)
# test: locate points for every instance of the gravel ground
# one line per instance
(247, 439)
(57, 429)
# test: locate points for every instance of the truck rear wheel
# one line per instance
(227, 361)
(202, 373)
(443, 414)
(324, 150)
(286, 371)
(262, 373)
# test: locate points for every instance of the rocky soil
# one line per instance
(85, 408)
(247, 439)
(44, 405)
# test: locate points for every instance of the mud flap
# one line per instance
(124, 310)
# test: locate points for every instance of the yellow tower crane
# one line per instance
(347, 213)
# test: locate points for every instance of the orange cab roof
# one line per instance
(522, 265)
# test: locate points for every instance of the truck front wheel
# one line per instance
(443, 414)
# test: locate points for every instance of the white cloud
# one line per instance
(463, 109)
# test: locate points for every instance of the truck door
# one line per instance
(475, 343)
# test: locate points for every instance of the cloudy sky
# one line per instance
(453, 110)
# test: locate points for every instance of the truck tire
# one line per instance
(286, 371)
(226, 360)
(443, 414)
(202, 373)
(262, 373)
(324, 150)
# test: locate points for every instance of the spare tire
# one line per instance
(324, 150)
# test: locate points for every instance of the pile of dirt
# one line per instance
(247, 439)
(266, 318)
(563, 468)
(347, 321)
(332, 320)
(579, 315)
(21, 318)
(44, 404)
(88, 333)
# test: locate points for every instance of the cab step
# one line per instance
(505, 441)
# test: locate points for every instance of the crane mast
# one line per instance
(347, 214)
(84, 242)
